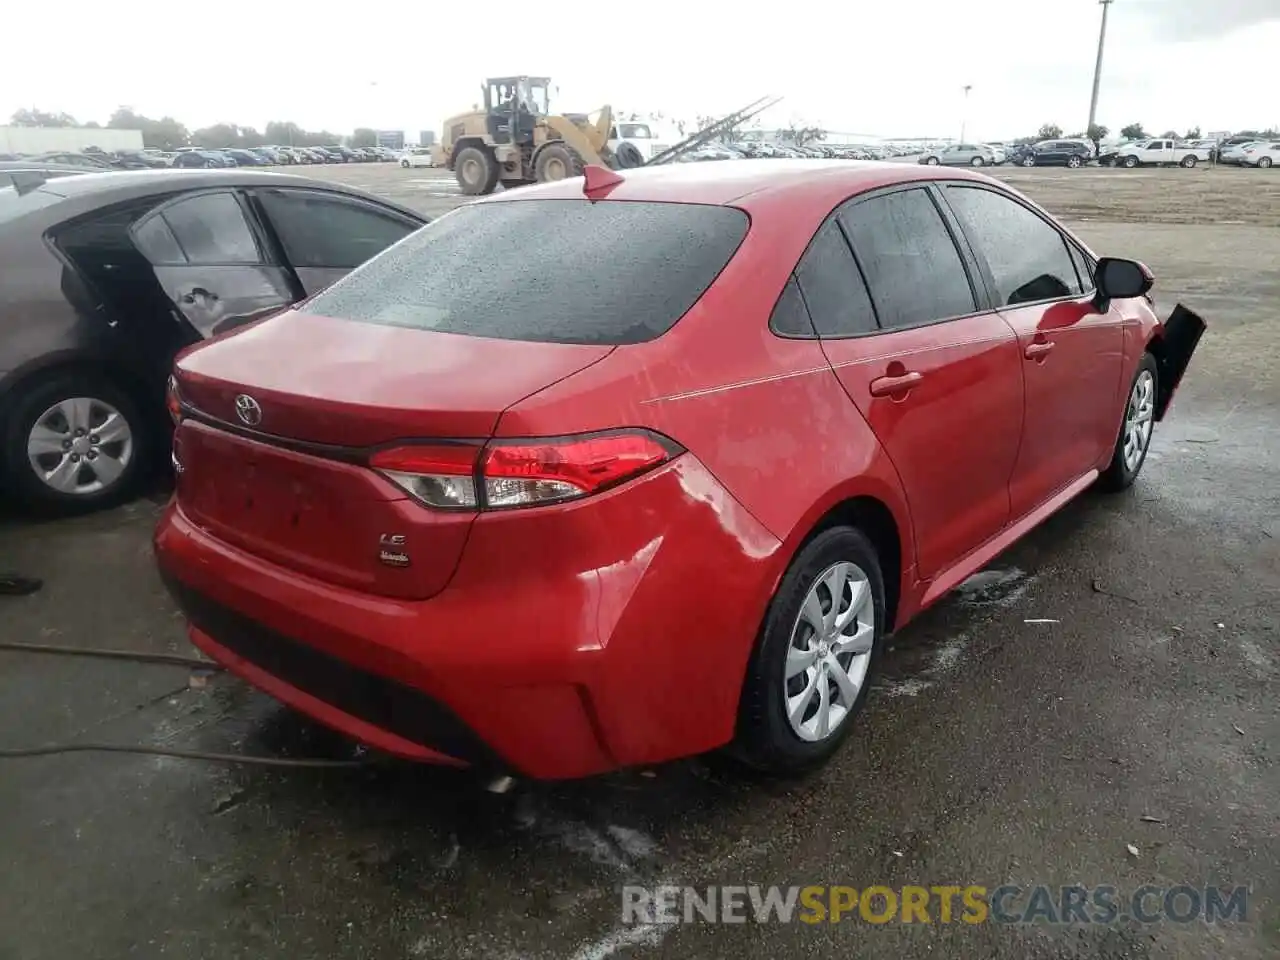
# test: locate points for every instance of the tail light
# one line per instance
(522, 473)
(173, 400)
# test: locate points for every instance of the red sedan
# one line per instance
(619, 469)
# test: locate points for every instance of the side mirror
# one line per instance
(1118, 279)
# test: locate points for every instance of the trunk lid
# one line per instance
(335, 382)
(292, 487)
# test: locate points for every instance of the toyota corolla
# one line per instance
(629, 467)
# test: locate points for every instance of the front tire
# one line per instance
(1129, 162)
(811, 670)
(74, 443)
(556, 161)
(1028, 161)
(1074, 162)
(405, 164)
(978, 161)
(1136, 427)
(931, 161)
(476, 171)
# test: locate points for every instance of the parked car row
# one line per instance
(1126, 153)
(1253, 153)
(206, 157)
(94, 160)
(753, 149)
(279, 156)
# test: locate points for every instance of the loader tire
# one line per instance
(628, 156)
(476, 170)
(556, 161)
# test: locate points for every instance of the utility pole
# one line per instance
(964, 120)
(1097, 70)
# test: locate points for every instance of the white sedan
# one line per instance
(417, 157)
(1261, 154)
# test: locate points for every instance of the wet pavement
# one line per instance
(1118, 664)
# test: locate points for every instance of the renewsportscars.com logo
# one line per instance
(971, 904)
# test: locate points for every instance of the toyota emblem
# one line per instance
(248, 411)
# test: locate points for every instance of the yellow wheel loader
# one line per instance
(515, 139)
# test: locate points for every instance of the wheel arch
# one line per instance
(545, 145)
(462, 143)
(887, 526)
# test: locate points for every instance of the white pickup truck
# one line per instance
(1161, 152)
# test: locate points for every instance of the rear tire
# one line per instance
(777, 734)
(1189, 161)
(1265, 163)
(127, 450)
(556, 161)
(1136, 427)
(931, 161)
(978, 161)
(476, 171)
(405, 164)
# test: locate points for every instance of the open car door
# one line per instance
(1182, 333)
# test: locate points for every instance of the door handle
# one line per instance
(200, 292)
(887, 386)
(1038, 350)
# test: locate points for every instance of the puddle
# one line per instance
(993, 588)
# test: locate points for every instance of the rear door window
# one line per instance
(326, 230)
(910, 261)
(211, 229)
(157, 243)
(554, 271)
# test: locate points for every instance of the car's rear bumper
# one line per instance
(603, 634)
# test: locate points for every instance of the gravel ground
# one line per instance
(996, 749)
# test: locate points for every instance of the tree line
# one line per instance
(167, 133)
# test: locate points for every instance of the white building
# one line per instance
(37, 140)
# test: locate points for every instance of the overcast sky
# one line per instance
(884, 69)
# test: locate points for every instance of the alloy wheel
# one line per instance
(1138, 419)
(830, 652)
(80, 446)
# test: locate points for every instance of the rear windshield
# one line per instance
(553, 271)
